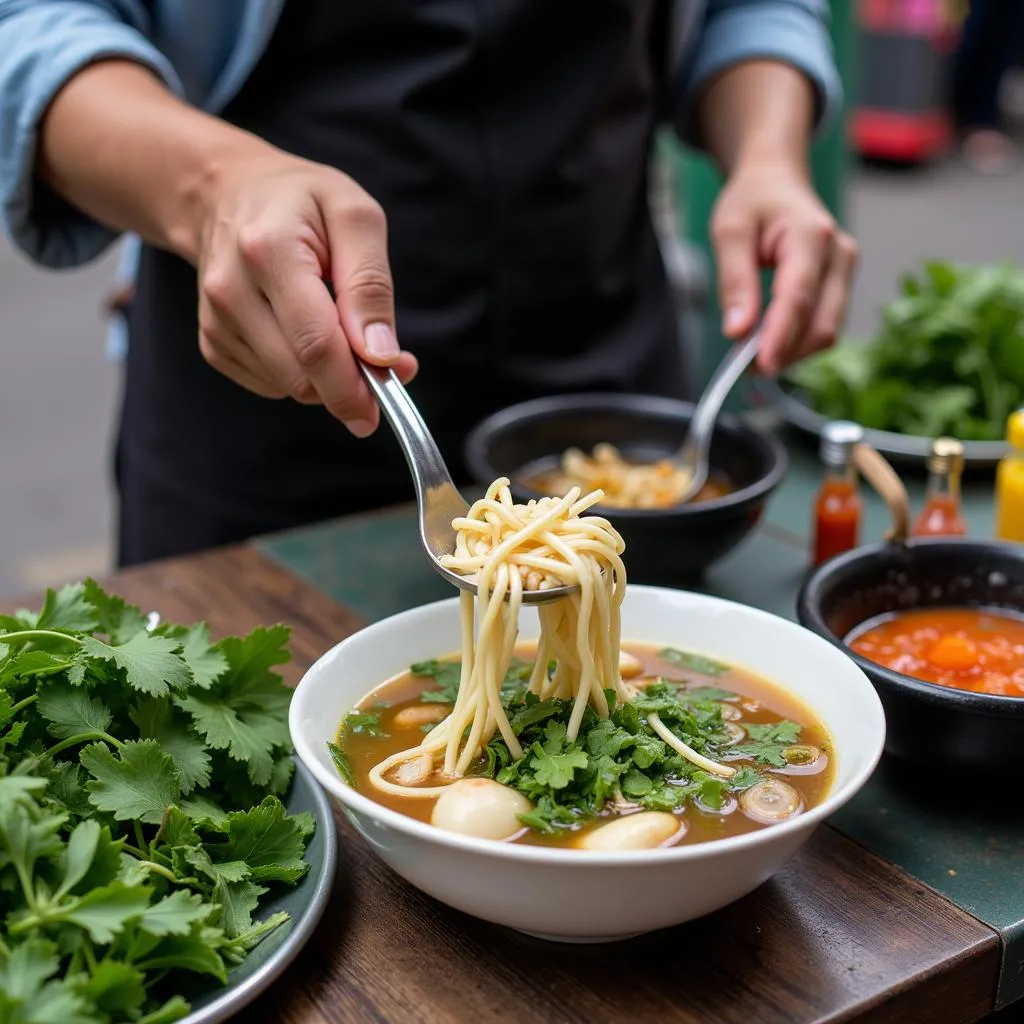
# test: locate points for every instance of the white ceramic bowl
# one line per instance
(575, 895)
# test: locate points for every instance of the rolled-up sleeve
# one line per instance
(43, 43)
(795, 32)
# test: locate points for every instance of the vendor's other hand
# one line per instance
(271, 230)
(769, 216)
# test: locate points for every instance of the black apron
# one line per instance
(508, 142)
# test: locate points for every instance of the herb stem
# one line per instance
(38, 634)
(22, 704)
(140, 839)
(159, 869)
(84, 737)
(5, 949)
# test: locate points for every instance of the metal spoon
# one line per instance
(693, 455)
(437, 497)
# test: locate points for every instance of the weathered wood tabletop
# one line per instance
(838, 935)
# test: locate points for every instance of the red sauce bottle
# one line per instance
(941, 515)
(837, 510)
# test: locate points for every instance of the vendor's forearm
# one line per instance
(757, 111)
(119, 146)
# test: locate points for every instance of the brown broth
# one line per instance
(758, 702)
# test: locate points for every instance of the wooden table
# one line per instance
(839, 935)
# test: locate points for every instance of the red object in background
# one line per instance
(940, 518)
(902, 111)
(836, 519)
(909, 138)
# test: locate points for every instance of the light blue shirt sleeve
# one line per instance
(792, 31)
(43, 43)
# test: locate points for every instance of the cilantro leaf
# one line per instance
(67, 609)
(341, 763)
(141, 782)
(105, 911)
(114, 616)
(694, 662)
(237, 901)
(363, 722)
(71, 711)
(268, 841)
(446, 680)
(116, 988)
(556, 770)
(195, 952)
(151, 664)
(767, 742)
(707, 693)
(158, 720)
(174, 914)
(207, 662)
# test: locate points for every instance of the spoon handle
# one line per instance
(729, 371)
(429, 472)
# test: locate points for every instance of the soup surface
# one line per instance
(617, 767)
(625, 484)
(966, 648)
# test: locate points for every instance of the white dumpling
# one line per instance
(643, 831)
(481, 808)
(629, 666)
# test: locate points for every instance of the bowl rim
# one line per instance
(554, 856)
(809, 614)
(776, 456)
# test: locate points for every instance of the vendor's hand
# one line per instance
(769, 216)
(270, 232)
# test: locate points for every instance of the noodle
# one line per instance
(506, 548)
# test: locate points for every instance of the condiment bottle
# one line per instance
(1010, 483)
(941, 516)
(837, 511)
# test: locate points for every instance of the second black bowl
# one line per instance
(925, 722)
(663, 546)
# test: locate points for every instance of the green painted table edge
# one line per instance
(372, 564)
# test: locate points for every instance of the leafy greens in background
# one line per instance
(140, 814)
(949, 358)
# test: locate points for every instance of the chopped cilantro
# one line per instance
(767, 743)
(693, 662)
(707, 693)
(364, 722)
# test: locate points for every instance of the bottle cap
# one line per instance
(947, 456)
(1015, 429)
(837, 440)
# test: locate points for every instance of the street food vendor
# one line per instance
(470, 175)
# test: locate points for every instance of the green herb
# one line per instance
(140, 815)
(706, 693)
(446, 676)
(949, 358)
(693, 662)
(446, 680)
(767, 744)
(366, 722)
(619, 757)
(341, 762)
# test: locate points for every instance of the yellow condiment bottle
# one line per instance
(1010, 483)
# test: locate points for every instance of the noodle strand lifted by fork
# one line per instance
(506, 548)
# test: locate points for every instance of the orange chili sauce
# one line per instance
(940, 518)
(965, 648)
(836, 520)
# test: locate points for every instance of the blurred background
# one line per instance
(926, 164)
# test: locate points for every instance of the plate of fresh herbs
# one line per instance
(947, 360)
(160, 857)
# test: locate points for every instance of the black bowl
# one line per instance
(925, 721)
(663, 546)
